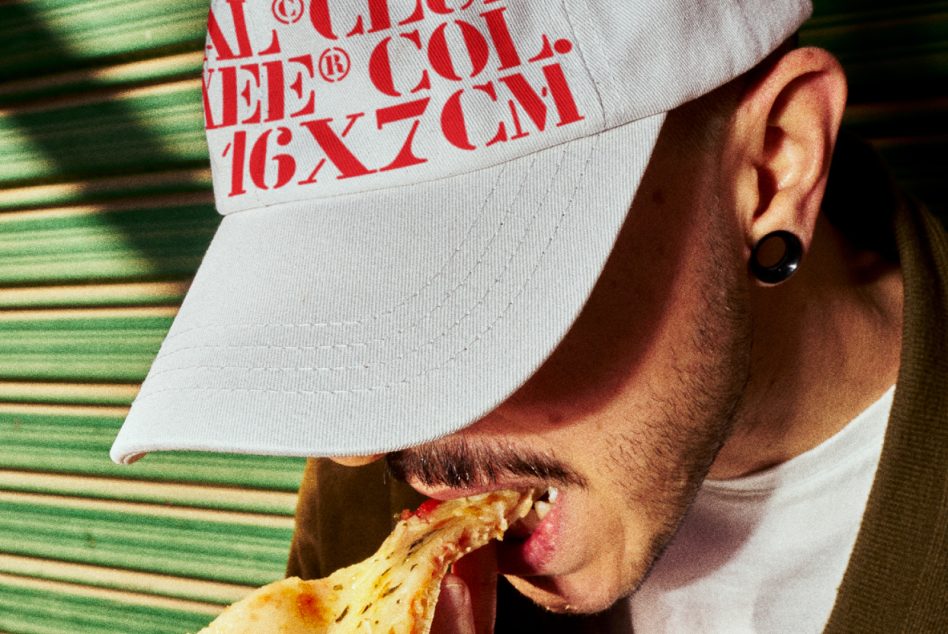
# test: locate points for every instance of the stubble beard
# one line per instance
(691, 420)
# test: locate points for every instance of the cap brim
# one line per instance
(367, 323)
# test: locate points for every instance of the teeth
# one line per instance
(542, 508)
(543, 505)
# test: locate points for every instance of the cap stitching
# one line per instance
(408, 380)
(388, 311)
(457, 322)
(602, 89)
(441, 302)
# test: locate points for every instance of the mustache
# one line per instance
(458, 463)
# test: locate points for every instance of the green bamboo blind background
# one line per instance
(105, 211)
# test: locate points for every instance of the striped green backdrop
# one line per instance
(105, 210)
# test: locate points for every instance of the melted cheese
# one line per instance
(395, 590)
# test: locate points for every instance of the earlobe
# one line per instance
(786, 126)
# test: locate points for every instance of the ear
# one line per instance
(781, 143)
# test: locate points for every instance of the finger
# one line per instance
(479, 572)
(453, 614)
(355, 461)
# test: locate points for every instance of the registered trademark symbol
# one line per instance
(334, 64)
(288, 11)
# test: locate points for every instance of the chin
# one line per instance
(568, 594)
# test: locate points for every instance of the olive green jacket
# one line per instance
(897, 578)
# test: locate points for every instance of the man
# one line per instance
(704, 381)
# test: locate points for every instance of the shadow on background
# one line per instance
(896, 59)
(101, 106)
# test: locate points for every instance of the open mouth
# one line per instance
(542, 506)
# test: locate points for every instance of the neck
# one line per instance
(826, 346)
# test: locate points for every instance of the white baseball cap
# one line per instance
(418, 197)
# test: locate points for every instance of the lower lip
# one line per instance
(533, 555)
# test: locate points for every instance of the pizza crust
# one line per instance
(395, 590)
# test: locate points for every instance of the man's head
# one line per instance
(405, 259)
(628, 414)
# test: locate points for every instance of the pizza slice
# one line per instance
(395, 590)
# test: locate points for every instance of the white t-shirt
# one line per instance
(767, 552)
